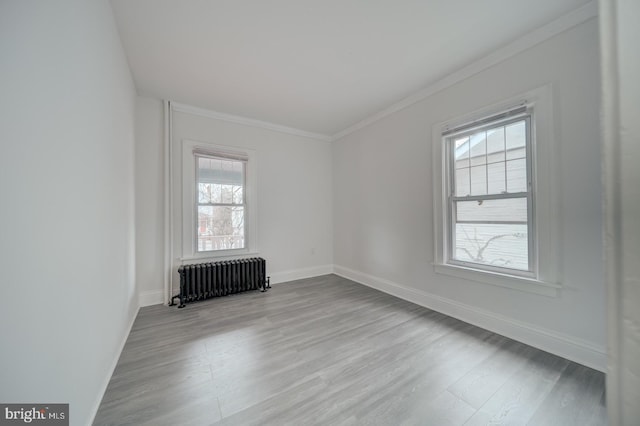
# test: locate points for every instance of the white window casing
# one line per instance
(191, 152)
(540, 273)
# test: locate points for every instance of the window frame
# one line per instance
(548, 196)
(197, 154)
(189, 203)
(503, 118)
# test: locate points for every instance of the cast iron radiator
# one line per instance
(205, 280)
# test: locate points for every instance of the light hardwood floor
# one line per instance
(329, 351)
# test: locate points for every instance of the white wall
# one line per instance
(294, 194)
(621, 153)
(383, 206)
(629, 156)
(67, 209)
(149, 170)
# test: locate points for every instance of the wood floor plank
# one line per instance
(479, 384)
(294, 406)
(193, 400)
(428, 375)
(577, 398)
(328, 351)
(518, 399)
(444, 410)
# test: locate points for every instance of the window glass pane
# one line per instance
(495, 144)
(462, 182)
(517, 153)
(517, 175)
(478, 143)
(227, 194)
(507, 210)
(220, 181)
(496, 178)
(220, 227)
(238, 194)
(209, 193)
(461, 152)
(204, 193)
(489, 244)
(216, 194)
(516, 140)
(479, 180)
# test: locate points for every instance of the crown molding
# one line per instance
(189, 109)
(547, 31)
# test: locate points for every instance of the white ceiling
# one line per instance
(319, 66)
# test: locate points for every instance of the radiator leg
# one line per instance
(182, 305)
(266, 285)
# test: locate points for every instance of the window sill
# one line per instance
(220, 256)
(517, 283)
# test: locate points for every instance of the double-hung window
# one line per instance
(490, 194)
(496, 197)
(221, 206)
(218, 209)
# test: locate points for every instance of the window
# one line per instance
(491, 194)
(497, 195)
(221, 203)
(218, 208)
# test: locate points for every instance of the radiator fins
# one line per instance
(205, 280)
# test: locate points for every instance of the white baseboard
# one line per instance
(112, 368)
(148, 298)
(571, 348)
(298, 274)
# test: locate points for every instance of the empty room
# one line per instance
(320, 212)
